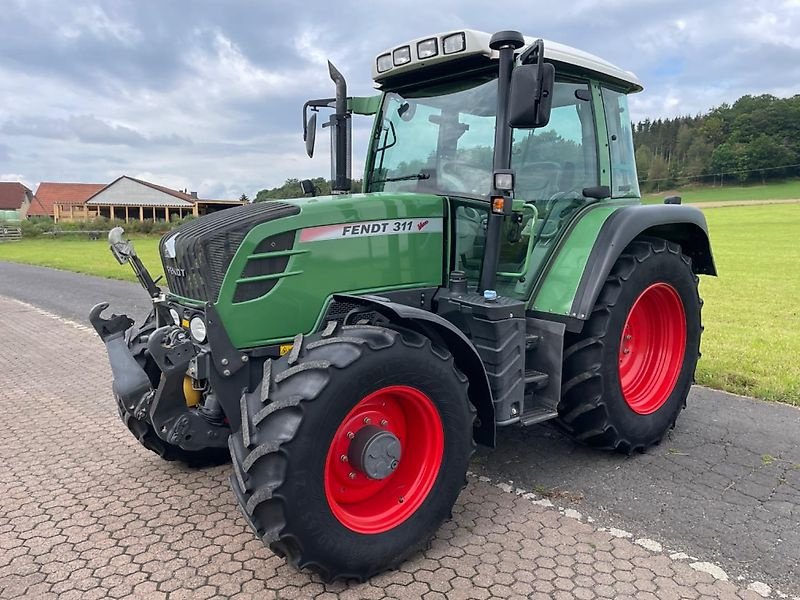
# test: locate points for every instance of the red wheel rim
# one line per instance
(652, 348)
(376, 505)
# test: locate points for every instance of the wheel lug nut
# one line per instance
(384, 422)
(343, 458)
(626, 351)
(352, 475)
(350, 435)
(367, 420)
(627, 337)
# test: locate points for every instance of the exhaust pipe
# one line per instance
(341, 145)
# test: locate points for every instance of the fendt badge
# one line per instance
(176, 271)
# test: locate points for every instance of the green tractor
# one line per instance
(349, 351)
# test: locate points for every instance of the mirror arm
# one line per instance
(314, 105)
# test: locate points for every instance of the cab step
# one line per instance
(531, 341)
(536, 415)
(535, 380)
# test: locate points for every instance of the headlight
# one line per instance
(384, 63)
(402, 55)
(454, 43)
(197, 327)
(427, 48)
(176, 318)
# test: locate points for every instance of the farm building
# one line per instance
(70, 197)
(130, 199)
(15, 196)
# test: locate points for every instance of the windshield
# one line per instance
(438, 139)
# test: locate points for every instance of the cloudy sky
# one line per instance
(206, 95)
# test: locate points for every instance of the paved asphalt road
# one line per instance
(723, 488)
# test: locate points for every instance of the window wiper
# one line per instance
(417, 176)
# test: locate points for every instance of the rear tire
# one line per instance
(628, 373)
(142, 430)
(319, 510)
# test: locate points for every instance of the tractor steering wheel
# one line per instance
(461, 176)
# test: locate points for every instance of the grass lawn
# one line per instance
(788, 190)
(751, 343)
(76, 253)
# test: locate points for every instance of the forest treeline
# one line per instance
(756, 138)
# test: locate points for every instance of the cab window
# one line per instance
(624, 183)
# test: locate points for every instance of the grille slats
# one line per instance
(205, 247)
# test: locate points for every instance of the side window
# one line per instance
(399, 155)
(624, 182)
(561, 159)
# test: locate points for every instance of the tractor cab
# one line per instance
(435, 131)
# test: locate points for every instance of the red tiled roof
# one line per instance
(49, 193)
(12, 195)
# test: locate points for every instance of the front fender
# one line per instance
(464, 353)
(683, 225)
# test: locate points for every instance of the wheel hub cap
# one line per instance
(375, 452)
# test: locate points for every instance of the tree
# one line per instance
(644, 158)
(658, 175)
(244, 198)
(730, 162)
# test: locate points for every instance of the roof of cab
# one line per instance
(477, 43)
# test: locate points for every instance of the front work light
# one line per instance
(176, 318)
(504, 180)
(454, 43)
(427, 48)
(402, 55)
(384, 63)
(197, 327)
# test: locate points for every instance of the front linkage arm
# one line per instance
(124, 251)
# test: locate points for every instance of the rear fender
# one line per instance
(683, 225)
(464, 353)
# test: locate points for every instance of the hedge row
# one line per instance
(37, 226)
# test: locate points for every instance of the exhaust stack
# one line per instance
(341, 145)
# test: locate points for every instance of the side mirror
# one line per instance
(531, 96)
(673, 200)
(310, 134)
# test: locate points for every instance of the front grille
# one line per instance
(264, 265)
(205, 247)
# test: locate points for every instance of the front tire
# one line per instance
(313, 461)
(628, 373)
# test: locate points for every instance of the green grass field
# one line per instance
(76, 253)
(788, 190)
(751, 343)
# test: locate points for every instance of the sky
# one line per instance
(207, 95)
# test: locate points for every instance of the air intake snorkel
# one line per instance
(340, 124)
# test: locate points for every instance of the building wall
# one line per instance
(23, 210)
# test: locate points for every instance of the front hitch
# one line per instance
(131, 383)
(172, 350)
